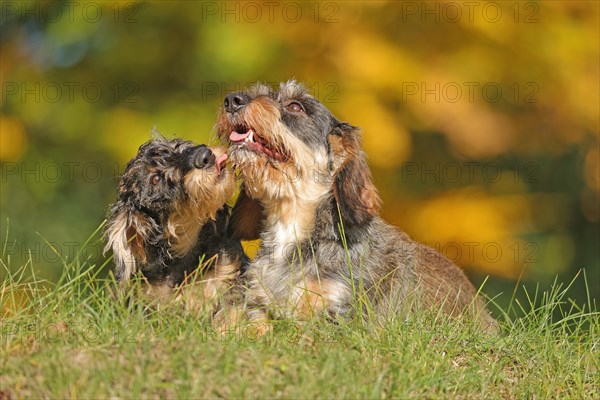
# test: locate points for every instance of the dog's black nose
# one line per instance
(204, 158)
(235, 101)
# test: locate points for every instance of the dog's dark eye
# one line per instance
(295, 107)
(156, 179)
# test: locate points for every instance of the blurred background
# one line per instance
(480, 119)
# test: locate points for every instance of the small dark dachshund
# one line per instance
(170, 213)
(309, 196)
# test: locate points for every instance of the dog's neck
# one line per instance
(183, 228)
(165, 265)
(291, 220)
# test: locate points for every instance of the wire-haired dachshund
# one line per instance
(309, 196)
(169, 215)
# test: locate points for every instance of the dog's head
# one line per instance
(288, 144)
(167, 192)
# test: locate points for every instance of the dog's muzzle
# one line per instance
(204, 158)
(235, 101)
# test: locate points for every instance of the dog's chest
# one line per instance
(283, 235)
(283, 251)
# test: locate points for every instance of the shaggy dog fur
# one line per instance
(309, 195)
(170, 213)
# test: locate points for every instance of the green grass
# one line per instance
(72, 339)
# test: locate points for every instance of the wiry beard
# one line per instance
(206, 194)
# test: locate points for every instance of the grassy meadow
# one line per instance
(73, 339)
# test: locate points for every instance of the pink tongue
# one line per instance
(238, 137)
(221, 161)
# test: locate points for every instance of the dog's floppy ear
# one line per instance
(124, 233)
(247, 218)
(353, 187)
